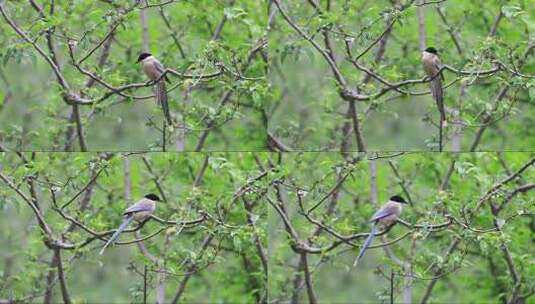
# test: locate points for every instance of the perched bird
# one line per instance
(139, 211)
(386, 215)
(154, 69)
(432, 67)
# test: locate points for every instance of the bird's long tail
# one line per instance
(161, 95)
(366, 244)
(123, 226)
(438, 95)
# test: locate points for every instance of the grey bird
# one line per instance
(386, 215)
(154, 70)
(139, 212)
(432, 66)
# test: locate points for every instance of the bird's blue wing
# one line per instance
(381, 213)
(439, 66)
(159, 67)
(138, 207)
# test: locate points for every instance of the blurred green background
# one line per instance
(182, 34)
(477, 271)
(307, 113)
(228, 270)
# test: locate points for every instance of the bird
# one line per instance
(386, 215)
(154, 70)
(432, 67)
(139, 212)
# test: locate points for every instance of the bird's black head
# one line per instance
(153, 197)
(143, 56)
(431, 50)
(398, 199)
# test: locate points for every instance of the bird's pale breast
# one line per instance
(150, 69)
(141, 216)
(429, 64)
(395, 210)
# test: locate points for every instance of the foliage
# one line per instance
(195, 38)
(375, 48)
(211, 237)
(457, 236)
